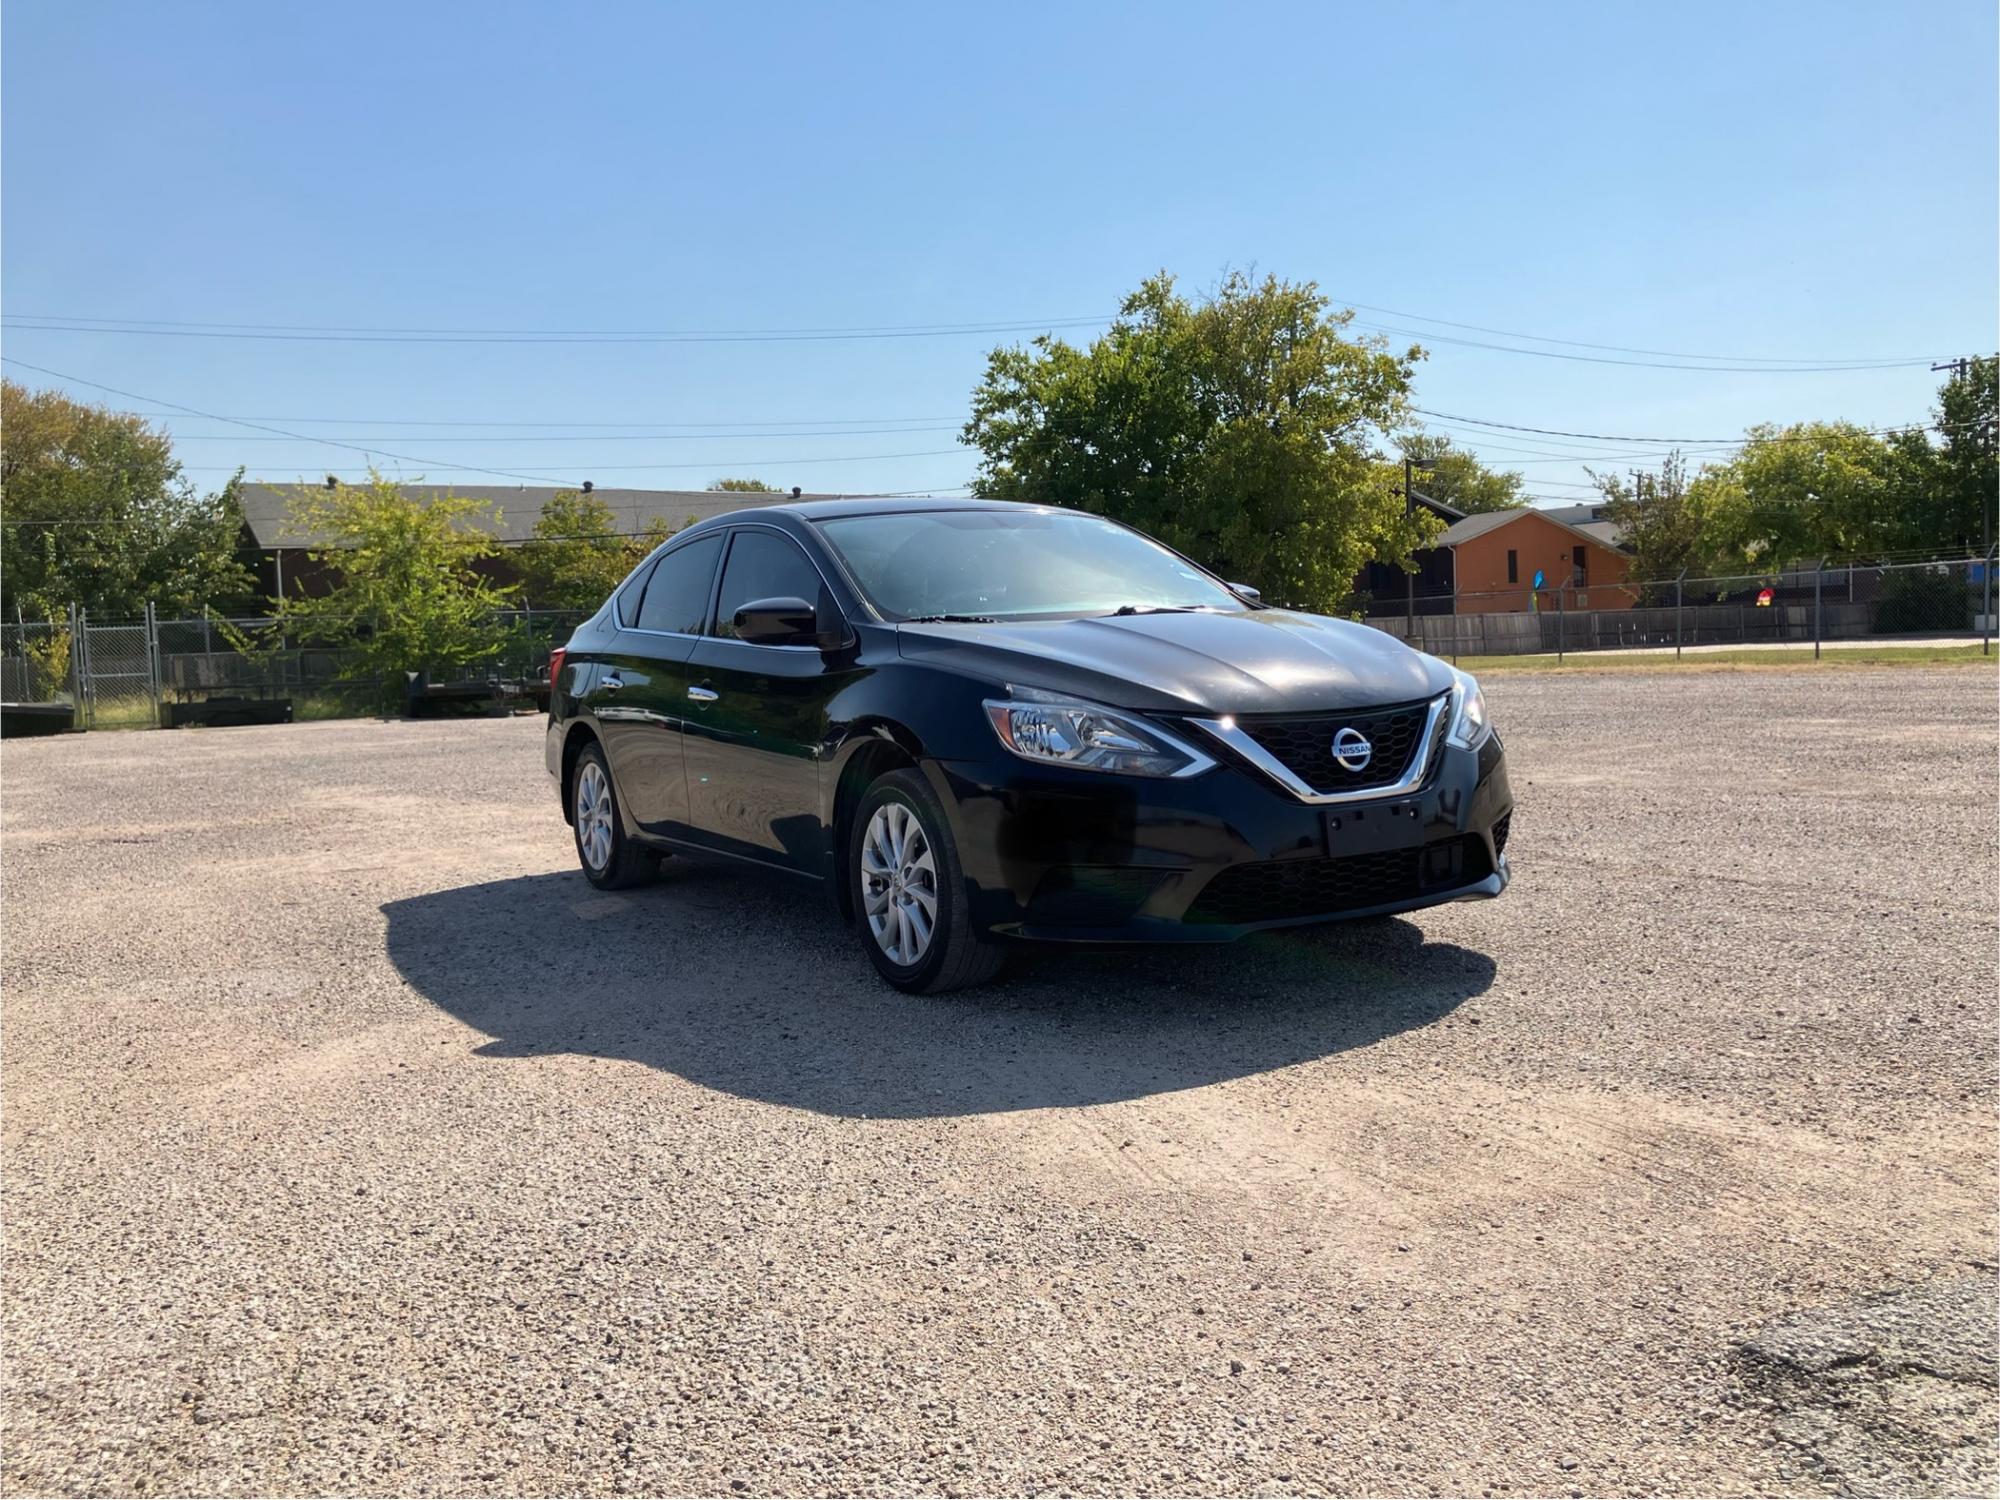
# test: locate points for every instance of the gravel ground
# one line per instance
(353, 1143)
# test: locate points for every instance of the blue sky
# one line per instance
(1772, 181)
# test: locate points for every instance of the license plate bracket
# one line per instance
(1364, 829)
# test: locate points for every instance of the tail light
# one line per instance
(555, 667)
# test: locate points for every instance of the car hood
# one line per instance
(1259, 661)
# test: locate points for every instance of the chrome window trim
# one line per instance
(671, 635)
(1236, 739)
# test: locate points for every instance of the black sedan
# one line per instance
(979, 721)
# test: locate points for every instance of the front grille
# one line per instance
(1092, 895)
(1500, 831)
(1274, 890)
(1305, 745)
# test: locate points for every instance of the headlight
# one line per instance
(1059, 731)
(1469, 724)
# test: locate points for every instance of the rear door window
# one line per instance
(677, 594)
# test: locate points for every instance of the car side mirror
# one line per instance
(777, 622)
(1244, 591)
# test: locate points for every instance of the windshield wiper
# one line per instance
(1159, 609)
(951, 620)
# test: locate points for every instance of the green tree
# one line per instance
(94, 510)
(577, 555)
(1950, 483)
(745, 486)
(408, 595)
(1459, 479)
(1802, 494)
(1663, 521)
(1239, 429)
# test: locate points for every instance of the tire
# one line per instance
(610, 860)
(905, 872)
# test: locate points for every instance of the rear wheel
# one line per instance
(909, 894)
(611, 861)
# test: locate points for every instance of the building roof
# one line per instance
(1445, 513)
(1591, 520)
(1601, 532)
(267, 508)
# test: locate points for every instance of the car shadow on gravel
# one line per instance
(753, 986)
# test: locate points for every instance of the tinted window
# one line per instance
(763, 565)
(627, 606)
(1015, 562)
(677, 593)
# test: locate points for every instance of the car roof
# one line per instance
(865, 505)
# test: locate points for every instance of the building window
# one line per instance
(1582, 570)
(1513, 566)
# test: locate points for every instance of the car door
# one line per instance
(639, 695)
(757, 722)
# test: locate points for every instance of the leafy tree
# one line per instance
(1818, 491)
(1663, 520)
(94, 510)
(408, 595)
(1237, 429)
(1802, 494)
(1951, 483)
(577, 556)
(1459, 479)
(48, 659)
(745, 486)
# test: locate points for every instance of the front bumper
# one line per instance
(1077, 856)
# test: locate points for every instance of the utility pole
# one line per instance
(1410, 578)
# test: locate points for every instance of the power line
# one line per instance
(1536, 338)
(279, 333)
(255, 426)
(548, 476)
(717, 422)
(370, 452)
(283, 333)
(66, 322)
(772, 498)
(592, 437)
(1733, 442)
(1643, 364)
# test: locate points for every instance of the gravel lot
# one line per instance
(353, 1143)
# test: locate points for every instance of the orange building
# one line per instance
(1497, 554)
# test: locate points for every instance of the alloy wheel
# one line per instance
(593, 815)
(899, 892)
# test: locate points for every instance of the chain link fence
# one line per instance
(131, 673)
(137, 673)
(1796, 607)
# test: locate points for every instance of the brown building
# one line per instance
(1497, 555)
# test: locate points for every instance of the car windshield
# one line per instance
(1015, 563)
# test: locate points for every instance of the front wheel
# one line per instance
(910, 891)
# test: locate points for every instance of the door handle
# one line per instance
(703, 695)
(612, 684)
